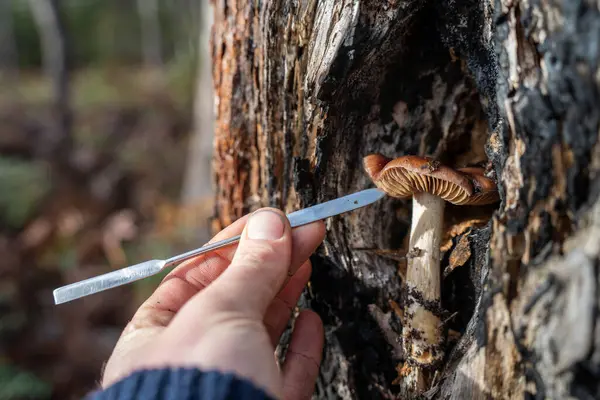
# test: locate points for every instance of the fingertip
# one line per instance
(320, 229)
(303, 358)
(315, 231)
(273, 210)
(267, 224)
(304, 272)
(308, 335)
(305, 240)
(311, 323)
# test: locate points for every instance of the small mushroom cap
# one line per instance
(374, 163)
(485, 190)
(407, 175)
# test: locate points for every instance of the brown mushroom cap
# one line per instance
(485, 190)
(374, 163)
(407, 175)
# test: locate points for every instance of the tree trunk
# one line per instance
(304, 90)
(198, 187)
(198, 175)
(9, 60)
(150, 32)
(53, 38)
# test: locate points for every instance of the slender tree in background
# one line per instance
(53, 40)
(198, 185)
(9, 61)
(151, 32)
(304, 90)
(198, 177)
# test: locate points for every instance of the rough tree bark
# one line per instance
(305, 89)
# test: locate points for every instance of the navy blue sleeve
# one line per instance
(180, 384)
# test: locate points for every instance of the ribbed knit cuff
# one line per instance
(180, 384)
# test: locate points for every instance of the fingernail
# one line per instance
(265, 225)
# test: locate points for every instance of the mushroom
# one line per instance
(430, 184)
(485, 190)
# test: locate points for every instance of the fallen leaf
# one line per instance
(70, 222)
(119, 227)
(36, 233)
(397, 310)
(460, 255)
(403, 370)
(459, 229)
(453, 56)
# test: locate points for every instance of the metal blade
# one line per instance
(107, 281)
(335, 207)
(298, 218)
(143, 270)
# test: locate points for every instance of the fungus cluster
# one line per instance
(430, 185)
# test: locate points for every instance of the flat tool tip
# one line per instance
(59, 297)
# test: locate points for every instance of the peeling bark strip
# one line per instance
(306, 89)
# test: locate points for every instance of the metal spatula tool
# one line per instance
(148, 268)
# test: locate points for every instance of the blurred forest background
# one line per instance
(105, 138)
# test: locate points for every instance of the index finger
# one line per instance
(187, 279)
(190, 277)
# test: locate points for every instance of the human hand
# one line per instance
(226, 311)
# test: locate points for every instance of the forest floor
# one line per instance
(118, 205)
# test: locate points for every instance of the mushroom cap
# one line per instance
(485, 190)
(374, 163)
(407, 175)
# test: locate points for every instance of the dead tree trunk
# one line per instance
(304, 90)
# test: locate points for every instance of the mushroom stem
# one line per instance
(423, 339)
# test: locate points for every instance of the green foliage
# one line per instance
(23, 185)
(12, 320)
(16, 384)
(104, 32)
(148, 249)
(62, 253)
(66, 257)
(95, 87)
(181, 75)
(26, 35)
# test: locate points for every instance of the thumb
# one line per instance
(259, 267)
